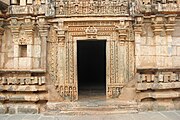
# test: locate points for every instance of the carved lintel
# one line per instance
(91, 32)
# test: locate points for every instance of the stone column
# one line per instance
(61, 55)
(121, 53)
(158, 25)
(169, 28)
(43, 30)
(138, 31)
(15, 36)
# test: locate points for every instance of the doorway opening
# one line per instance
(91, 64)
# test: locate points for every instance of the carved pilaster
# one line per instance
(139, 23)
(29, 27)
(158, 24)
(122, 31)
(170, 23)
(14, 28)
(43, 30)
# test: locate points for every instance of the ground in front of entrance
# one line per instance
(163, 115)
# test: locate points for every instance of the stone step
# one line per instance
(92, 107)
(92, 112)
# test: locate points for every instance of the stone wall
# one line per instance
(23, 81)
(157, 62)
(38, 51)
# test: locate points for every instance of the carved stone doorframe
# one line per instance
(107, 38)
(63, 55)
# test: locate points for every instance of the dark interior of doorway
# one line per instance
(91, 61)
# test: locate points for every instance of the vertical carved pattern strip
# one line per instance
(52, 62)
(116, 62)
(131, 52)
(71, 62)
(127, 62)
(131, 60)
(112, 62)
(52, 56)
(67, 62)
(121, 62)
(60, 65)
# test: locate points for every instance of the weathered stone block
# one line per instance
(147, 61)
(173, 77)
(10, 54)
(37, 41)
(168, 62)
(37, 51)
(27, 109)
(143, 41)
(16, 50)
(176, 41)
(27, 80)
(25, 63)
(176, 60)
(3, 109)
(148, 50)
(29, 1)
(12, 110)
(39, 81)
(162, 50)
(167, 78)
(17, 98)
(2, 60)
(163, 105)
(176, 30)
(9, 64)
(174, 50)
(16, 63)
(150, 41)
(161, 78)
(137, 49)
(138, 77)
(36, 63)
(161, 40)
(178, 50)
(29, 50)
(34, 80)
(43, 80)
(4, 80)
(21, 81)
(22, 2)
(160, 61)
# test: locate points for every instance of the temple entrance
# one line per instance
(91, 63)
